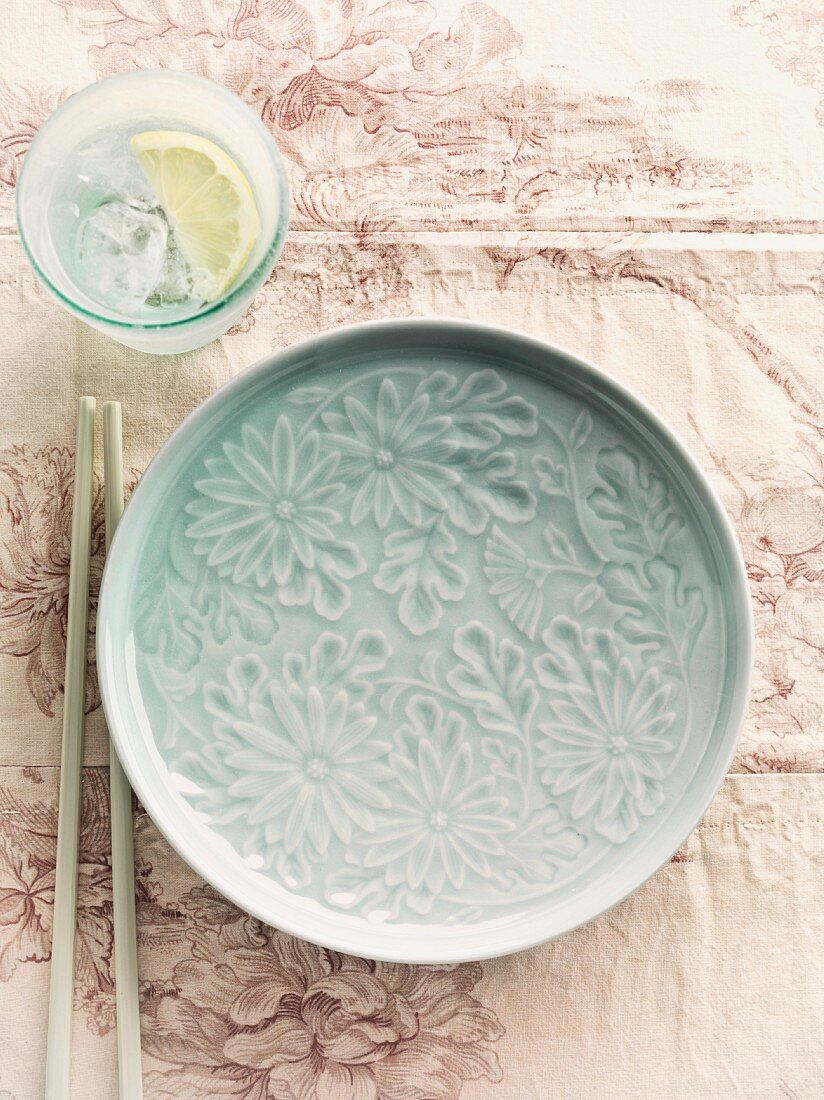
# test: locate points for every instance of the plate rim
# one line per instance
(415, 949)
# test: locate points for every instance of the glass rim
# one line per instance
(255, 277)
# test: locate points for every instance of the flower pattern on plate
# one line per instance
(398, 460)
(607, 742)
(549, 562)
(516, 581)
(424, 466)
(264, 515)
(446, 822)
(296, 769)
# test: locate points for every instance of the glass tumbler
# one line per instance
(134, 102)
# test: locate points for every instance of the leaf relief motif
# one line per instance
(487, 486)
(227, 607)
(504, 760)
(493, 678)
(663, 619)
(561, 550)
(553, 477)
(542, 842)
(165, 622)
(480, 412)
(309, 395)
(581, 430)
(636, 507)
(335, 664)
(418, 564)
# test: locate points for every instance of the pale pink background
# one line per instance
(639, 183)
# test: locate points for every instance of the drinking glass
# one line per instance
(132, 103)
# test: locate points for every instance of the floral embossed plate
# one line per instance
(424, 641)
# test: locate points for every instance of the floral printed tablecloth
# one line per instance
(640, 184)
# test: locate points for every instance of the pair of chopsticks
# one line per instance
(58, 1049)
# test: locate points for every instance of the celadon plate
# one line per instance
(424, 640)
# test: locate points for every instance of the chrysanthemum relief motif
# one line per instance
(296, 770)
(606, 745)
(398, 459)
(264, 517)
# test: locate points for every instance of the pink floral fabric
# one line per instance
(414, 114)
(233, 1009)
(34, 590)
(639, 184)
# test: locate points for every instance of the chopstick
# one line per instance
(58, 1042)
(129, 1069)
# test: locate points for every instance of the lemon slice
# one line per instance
(207, 199)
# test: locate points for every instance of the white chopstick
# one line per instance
(129, 1069)
(58, 1042)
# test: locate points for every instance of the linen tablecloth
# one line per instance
(638, 183)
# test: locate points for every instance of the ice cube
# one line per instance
(106, 172)
(121, 251)
(176, 283)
